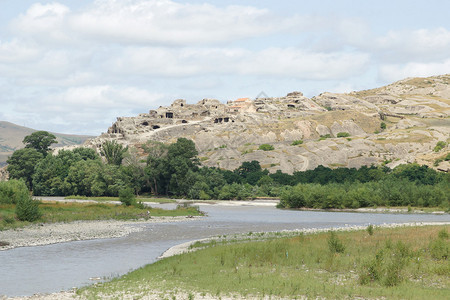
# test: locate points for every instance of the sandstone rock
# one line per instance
(323, 130)
(228, 134)
(408, 123)
(4, 175)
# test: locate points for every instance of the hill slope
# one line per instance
(11, 137)
(337, 130)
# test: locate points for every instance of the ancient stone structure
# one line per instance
(416, 112)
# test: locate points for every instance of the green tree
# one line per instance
(40, 140)
(182, 160)
(113, 152)
(21, 165)
(134, 168)
(156, 169)
(49, 175)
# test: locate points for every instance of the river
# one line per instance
(52, 268)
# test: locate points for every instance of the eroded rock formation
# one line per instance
(415, 111)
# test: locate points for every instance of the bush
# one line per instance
(439, 146)
(126, 196)
(343, 134)
(27, 209)
(13, 190)
(443, 234)
(439, 248)
(387, 266)
(334, 244)
(297, 142)
(323, 137)
(383, 125)
(266, 147)
(370, 229)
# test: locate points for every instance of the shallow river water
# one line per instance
(52, 268)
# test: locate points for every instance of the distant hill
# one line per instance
(390, 125)
(11, 137)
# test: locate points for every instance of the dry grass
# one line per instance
(412, 138)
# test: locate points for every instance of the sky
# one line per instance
(75, 66)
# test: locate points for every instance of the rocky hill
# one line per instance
(394, 124)
(11, 137)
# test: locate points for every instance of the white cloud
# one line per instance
(161, 22)
(289, 62)
(85, 109)
(43, 22)
(424, 45)
(393, 72)
(14, 51)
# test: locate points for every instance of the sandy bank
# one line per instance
(45, 234)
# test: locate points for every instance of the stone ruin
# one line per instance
(212, 111)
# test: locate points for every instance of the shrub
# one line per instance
(334, 244)
(447, 158)
(204, 196)
(266, 147)
(13, 190)
(439, 248)
(297, 142)
(439, 146)
(383, 125)
(370, 229)
(323, 137)
(443, 234)
(387, 265)
(126, 196)
(343, 134)
(27, 209)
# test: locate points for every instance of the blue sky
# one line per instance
(74, 66)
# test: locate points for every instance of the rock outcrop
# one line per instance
(337, 130)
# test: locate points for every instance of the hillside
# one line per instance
(336, 130)
(11, 137)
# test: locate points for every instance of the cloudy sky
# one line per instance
(74, 66)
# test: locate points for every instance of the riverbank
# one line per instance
(152, 291)
(255, 236)
(394, 261)
(52, 233)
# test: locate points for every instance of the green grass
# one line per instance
(397, 263)
(142, 199)
(53, 212)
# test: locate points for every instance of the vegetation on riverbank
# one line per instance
(53, 212)
(392, 192)
(138, 199)
(174, 171)
(394, 263)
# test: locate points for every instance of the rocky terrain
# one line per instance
(336, 130)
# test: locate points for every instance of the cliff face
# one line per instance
(415, 111)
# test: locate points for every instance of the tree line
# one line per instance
(174, 170)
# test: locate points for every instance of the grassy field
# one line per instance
(396, 263)
(68, 212)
